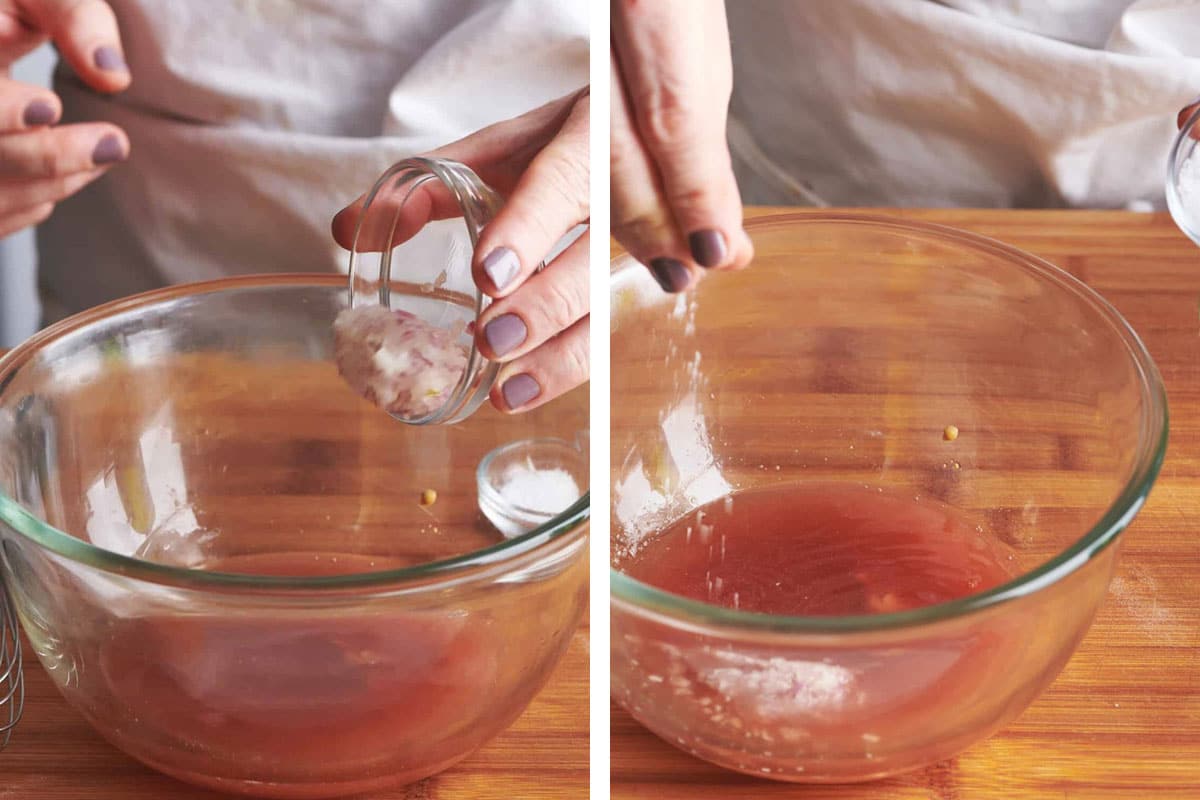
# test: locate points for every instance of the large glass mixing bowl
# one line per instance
(221, 556)
(843, 355)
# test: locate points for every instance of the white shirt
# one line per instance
(984, 103)
(252, 122)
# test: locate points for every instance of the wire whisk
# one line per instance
(12, 683)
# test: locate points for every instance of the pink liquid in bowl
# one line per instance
(793, 705)
(824, 550)
(325, 704)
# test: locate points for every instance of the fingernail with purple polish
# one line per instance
(39, 112)
(505, 333)
(708, 247)
(519, 390)
(501, 265)
(108, 150)
(671, 275)
(109, 59)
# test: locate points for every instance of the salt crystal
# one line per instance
(531, 497)
(546, 491)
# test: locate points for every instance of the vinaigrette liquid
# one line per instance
(297, 693)
(822, 550)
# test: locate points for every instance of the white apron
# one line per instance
(252, 122)
(983, 103)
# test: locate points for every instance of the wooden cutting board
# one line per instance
(1123, 718)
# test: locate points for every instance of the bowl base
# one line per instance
(302, 791)
(844, 771)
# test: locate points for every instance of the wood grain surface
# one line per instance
(1123, 718)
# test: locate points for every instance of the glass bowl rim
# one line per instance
(632, 595)
(501, 557)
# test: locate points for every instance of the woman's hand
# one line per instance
(538, 325)
(41, 164)
(1185, 114)
(675, 203)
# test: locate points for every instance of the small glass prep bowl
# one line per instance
(206, 425)
(511, 515)
(842, 355)
(1183, 178)
(406, 257)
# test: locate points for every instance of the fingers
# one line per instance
(541, 331)
(1184, 115)
(30, 202)
(381, 228)
(345, 222)
(23, 107)
(548, 303)
(552, 370)
(33, 216)
(678, 100)
(551, 198)
(86, 34)
(500, 153)
(540, 160)
(640, 218)
(55, 152)
(21, 196)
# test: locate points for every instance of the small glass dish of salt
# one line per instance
(1183, 178)
(527, 483)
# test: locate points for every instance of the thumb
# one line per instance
(86, 34)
